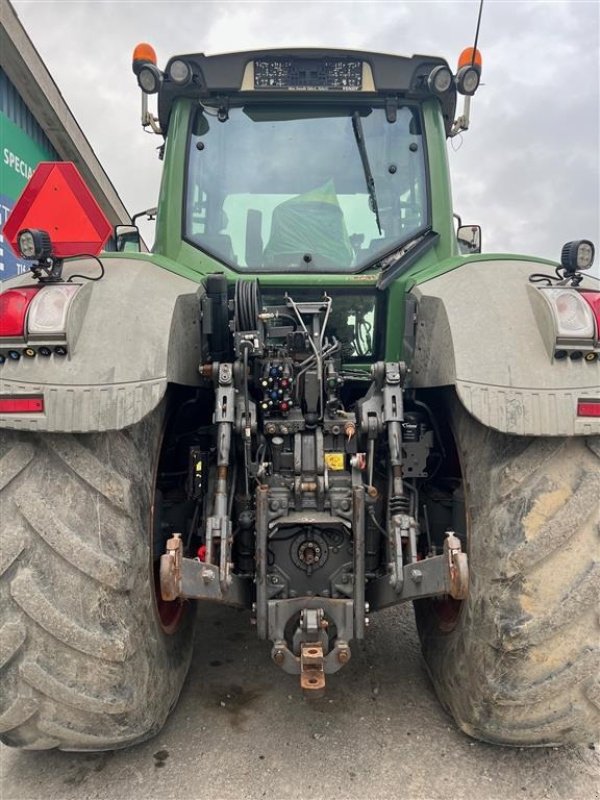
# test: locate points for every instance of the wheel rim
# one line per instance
(170, 614)
(447, 612)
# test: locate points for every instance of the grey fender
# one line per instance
(476, 330)
(135, 331)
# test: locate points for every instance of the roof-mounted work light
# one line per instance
(180, 72)
(149, 79)
(440, 80)
(467, 80)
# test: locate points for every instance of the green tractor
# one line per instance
(314, 399)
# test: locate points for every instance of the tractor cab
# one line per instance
(302, 161)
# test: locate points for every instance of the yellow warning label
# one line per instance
(334, 460)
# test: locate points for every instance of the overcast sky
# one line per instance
(527, 170)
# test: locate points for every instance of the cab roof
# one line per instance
(301, 73)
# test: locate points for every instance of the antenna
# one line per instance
(477, 32)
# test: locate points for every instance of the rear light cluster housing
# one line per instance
(569, 320)
(35, 320)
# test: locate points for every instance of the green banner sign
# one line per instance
(18, 159)
(20, 156)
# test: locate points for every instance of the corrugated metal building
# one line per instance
(37, 125)
(15, 109)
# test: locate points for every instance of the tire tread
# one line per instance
(83, 662)
(521, 664)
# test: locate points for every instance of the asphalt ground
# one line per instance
(242, 730)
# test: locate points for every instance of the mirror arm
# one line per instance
(150, 213)
(148, 119)
(462, 123)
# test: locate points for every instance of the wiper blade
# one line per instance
(360, 141)
(402, 260)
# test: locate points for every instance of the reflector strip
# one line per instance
(22, 405)
(588, 408)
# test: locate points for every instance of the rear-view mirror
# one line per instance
(469, 239)
(127, 238)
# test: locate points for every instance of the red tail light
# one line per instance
(13, 310)
(593, 301)
(588, 408)
(21, 405)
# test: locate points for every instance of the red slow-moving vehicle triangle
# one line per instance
(57, 201)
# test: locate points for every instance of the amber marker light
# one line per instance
(470, 57)
(143, 53)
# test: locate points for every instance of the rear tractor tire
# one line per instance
(517, 663)
(88, 658)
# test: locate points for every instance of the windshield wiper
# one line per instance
(395, 264)
(360, 141)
